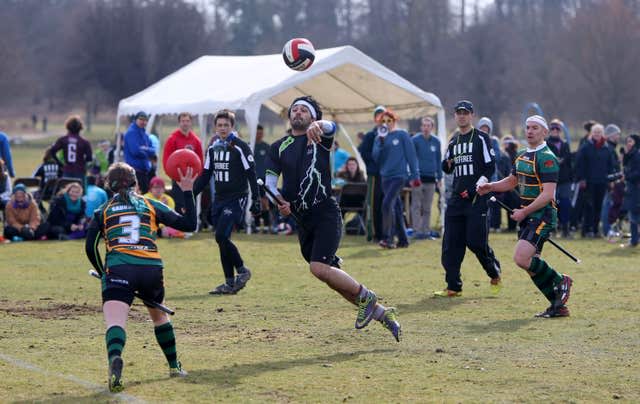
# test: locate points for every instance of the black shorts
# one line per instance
(535, 231)
(121, 281)
(320, 232)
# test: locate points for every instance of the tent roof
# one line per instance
(347, 83)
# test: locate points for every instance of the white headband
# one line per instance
(311, 109)
(539, 120)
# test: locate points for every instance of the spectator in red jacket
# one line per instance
(181, 138)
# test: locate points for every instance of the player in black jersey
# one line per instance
(471, 159)
(302, 158)
(230, 161)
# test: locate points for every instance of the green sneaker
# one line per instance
(366, 307)
(390, 322)
(115, 375)
(178, 372)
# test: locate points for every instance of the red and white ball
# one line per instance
(298, 54)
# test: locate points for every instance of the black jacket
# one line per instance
(562, 151)
(594, 164)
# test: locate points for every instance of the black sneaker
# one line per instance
(223, 289)
(242, 279)
(115, 375)
(562, 291)
(551, 312)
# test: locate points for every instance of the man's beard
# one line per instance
(299, 124)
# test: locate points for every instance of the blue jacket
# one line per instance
(137, 148)
(394, 154)
(93, 199)
(429, 155)
(366, 151)
(5, 153)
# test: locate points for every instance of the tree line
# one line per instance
(576, 58)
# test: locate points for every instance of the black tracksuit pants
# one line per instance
(465, 225)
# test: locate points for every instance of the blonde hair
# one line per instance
(68, 187)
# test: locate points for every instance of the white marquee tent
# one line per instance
(347, 83)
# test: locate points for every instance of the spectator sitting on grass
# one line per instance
(66, 219)
(157, 193)
(22, 218)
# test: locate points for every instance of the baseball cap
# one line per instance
(379, 109)
(142, 115)
(464, 104)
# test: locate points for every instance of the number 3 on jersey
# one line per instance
(130, 230)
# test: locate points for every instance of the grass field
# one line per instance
(288, 338)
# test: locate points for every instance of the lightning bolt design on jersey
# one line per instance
(311, 186)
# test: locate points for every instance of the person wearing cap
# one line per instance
(230, 163)
(181, 138)
(613, 197)
(76, 149)
(562, 150)
(535, 173)
(594, 163)
(138, 151)
(471, 160)
(374, 183)
(302, 158)
(485, 124)
(22, 217)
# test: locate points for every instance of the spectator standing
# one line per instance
(612, 200)
(94, 197)
(393, 152)
(181, 138)
(562, 150)
(485, 124)
(631, 163)
(22, 218)
(260, 151)
(5, 154)
(75, 149)
(429, 154)
(472, 161)
(374, 185)
(138, 151)
(594, 163)
(101, 158)
(340, 157)
(66, 220)
(5, 185)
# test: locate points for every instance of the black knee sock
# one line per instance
(115, 337)
(545, 277)
(227, 265)
(167, 340)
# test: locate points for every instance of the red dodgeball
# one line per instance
(182, 158)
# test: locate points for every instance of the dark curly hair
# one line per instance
(74, 124)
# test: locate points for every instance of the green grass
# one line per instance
(287, 337)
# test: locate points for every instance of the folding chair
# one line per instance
(353, 198)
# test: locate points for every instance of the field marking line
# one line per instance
(84, 383)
